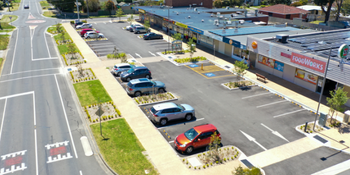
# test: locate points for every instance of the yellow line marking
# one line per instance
(221, 76)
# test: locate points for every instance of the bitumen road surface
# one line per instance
(40, 127)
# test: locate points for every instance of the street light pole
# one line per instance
(168, 29)
(77, 3)
(324, 82)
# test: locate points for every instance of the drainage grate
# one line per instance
(247, 163)
(320, 139)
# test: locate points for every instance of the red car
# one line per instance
(82, 32)
(196, 137)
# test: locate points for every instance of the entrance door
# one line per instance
(329, 86)
(319, 85)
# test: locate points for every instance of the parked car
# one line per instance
(164, 112)
(140, 86)
(93, 34)
(26, 6)
(119, 68)
(84, 26)
(152, 36)
(196, 137)
(78, 24)
(83, 31)
(140, 29)
(135, 72)
(131, 27)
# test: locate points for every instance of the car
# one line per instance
(78, 23)
(140, 86)
(84, 26)
(140, 29)
(93, 34)
(119, 68)
(135, 72)
(164, 112)
(83, 31)
(26, 6)
(152, 36)
(131, 27)
(196, 137)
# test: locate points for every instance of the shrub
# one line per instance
(118, 112)
(203, 166)
(211, 163)
(195, 168)
(207, 165)
(217, 162)
(186, 162)
(72, 22)
(84, 21)
(262, 6)
(225, 159)
(189, 166)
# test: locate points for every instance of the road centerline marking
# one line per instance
(271, 103)
(256, 95)
(288, 113)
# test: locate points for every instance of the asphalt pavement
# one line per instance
(40, 127)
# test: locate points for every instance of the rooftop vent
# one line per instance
(227, 7)
(282, 38)
(189, 17)
(202, 20)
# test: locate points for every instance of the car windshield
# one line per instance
(129, 84)
(191, 134)
(181, 107)
(154, 111)
(130, 70)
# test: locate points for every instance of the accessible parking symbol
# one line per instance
(193, 65)
(209, 75)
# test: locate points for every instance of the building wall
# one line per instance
(186, 3)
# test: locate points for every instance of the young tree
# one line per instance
(176, 36)
(71, 50)
(192, 46)
(93, 5)
(131, 19)
(240, 68)
(119, 13)
(109, 5)
(214, 145)
(115, 52)
(80, 69)
(63, 36)
(58, 27)
(147, 25)
(336, 101)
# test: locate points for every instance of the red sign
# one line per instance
(308, 62)
(286, 55)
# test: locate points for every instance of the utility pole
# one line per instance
(77, 4)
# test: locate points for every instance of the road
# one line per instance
(40, 127)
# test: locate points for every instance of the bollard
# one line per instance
(305, 127)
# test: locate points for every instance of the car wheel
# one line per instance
(147, 76)
(128, 79)
(188, 117)
(138, 32)
(163, 121)
(137, 94)
(88, 37)
(160, 90)
(118, 74)
(189, 149)
(100, 37)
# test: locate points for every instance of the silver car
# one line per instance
(140, 29)
(84, 26)
(140, 86)
(164, 112)
(132, 26)
(93, 34)
(119, 68)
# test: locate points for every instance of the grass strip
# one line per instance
(89, 92)
(4, 41)
(6, 18)
(120, 148)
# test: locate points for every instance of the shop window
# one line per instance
(287, 16)
(237, 51)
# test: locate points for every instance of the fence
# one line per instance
(300, 24)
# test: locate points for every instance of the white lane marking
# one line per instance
(40, 59)
(288, 113)
(97, 46)
(34, 111)
(271, 103)
(138, 55)
(250, 138)
(335, 169)
(31, 42)
(31, 71)
(14, 52)
(275, 132)
(256, 95)
(86, 146)
(181, 123)
(37, 8)
(36, 153)
(65, 115)
(171, 141)
(152, 53)
(25, 78)
(47, 46)
(2, 121)
(131, 56)
(81, 173)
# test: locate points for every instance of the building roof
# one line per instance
(310, 7)
(283, 9)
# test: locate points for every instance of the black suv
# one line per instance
(136, 72)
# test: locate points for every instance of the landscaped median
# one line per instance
(5, 23)
(4, 41)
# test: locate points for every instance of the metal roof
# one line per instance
(251, 30)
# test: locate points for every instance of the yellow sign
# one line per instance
(142, 11)
(181, 25)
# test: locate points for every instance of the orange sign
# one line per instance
(254, 45)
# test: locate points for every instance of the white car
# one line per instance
(93, 34)
(132, 26)
(84, 26)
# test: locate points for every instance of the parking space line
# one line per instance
(271, 103)
(288, 113)
(181, 123)
(221, 76)
(171, 141)
(256, 95)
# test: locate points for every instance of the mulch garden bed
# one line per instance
(87, 75)
(72, 59)
(108, 112)
(238, 84)
(154, 98)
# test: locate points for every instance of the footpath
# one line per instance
(163, 157)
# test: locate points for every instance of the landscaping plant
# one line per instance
(336, 101)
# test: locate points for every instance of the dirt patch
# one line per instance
(72, 59)
(107, 111)
(86, 75)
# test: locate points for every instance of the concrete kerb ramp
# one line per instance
(85, 50)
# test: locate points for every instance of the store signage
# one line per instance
(266, 61)
(231, 42)
(306, 76)
(181, 25)
(308, 62)
(254, 45)
(165, 19)
(142, 11)
(279, 66)
(195, 30)
(286, 55)
(343, 51)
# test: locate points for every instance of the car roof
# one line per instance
(122, 64)
(91, 32)
(205, 127)
(139, 80)
(141, 67)
(164, 106)
(88, 29)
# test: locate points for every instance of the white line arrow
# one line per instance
(275, 132)
(138, 55)
(152, 53)
(250, 138)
